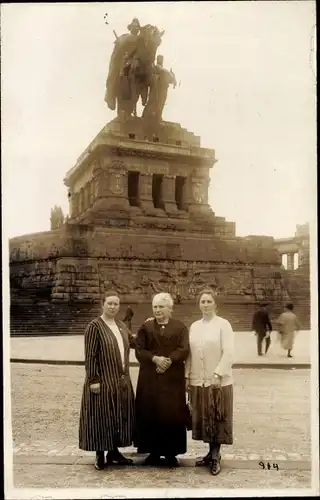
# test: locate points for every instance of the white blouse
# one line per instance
(211, 352)
(116, 332)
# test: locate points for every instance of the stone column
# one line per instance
(86, 197)
(145, 188)
(75, 204)
(81, 201)
(184, 199)
(290, 261)
(205, 188)
(71, 202)
(97, 184)
(91, 192)
(169, 198)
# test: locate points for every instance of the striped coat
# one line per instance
(106, 419)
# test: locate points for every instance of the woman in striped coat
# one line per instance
(107, 406)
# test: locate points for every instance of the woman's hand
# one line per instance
(216, 380)
(162, 362)
(187, 385)
(95, 388)
(162, 369)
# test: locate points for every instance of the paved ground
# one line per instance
(66, 476)
(70, 348)
(271, 423)
(271, 413)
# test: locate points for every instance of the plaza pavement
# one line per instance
(272, 421)
(271, 424)
(70, 350)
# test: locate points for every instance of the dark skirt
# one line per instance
(212, 414)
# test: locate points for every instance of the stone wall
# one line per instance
(87, 241)
(69, 284)
(138, 280)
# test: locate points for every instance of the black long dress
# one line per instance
(106, 419)
(161, 412)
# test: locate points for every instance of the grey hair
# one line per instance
(166, 297)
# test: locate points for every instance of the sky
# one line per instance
(247, 88)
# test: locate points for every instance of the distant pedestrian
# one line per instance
(128, 317)
(262, 327)
(288, 324)
(107, 406)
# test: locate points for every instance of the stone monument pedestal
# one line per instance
(140, 223)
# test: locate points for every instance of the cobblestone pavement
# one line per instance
(271, 420)
(66, 476)
(71, 348)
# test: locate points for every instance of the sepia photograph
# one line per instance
(159, 242)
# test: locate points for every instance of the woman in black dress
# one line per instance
(162, 346)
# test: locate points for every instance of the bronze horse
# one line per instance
(131, 67)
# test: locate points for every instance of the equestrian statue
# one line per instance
(133, 73)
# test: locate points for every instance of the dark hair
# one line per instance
(263, 304)
(208, 291)
(111, 293)
(289, 306)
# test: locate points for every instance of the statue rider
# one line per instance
(134, 27)
(125, 46)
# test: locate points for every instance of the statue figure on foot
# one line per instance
(161, 79)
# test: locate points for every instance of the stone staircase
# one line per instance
(31, 316)
(64, 319)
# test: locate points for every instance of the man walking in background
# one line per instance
(262, 327)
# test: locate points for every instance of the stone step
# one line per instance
(49, 318)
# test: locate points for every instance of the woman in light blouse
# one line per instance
(209, 380)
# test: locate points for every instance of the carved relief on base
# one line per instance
(237, 282)
(271, 287)
(154, 277)
(139, 280)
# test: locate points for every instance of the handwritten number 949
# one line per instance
(268, 466)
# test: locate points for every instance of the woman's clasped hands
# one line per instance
(162, 363)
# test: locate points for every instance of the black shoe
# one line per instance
(118, 458)
(172, 461)
(99, 462)
(202, 462)
(290, 356)
(153, 459)
(215, 466)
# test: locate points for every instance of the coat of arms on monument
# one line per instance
(115, 185)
